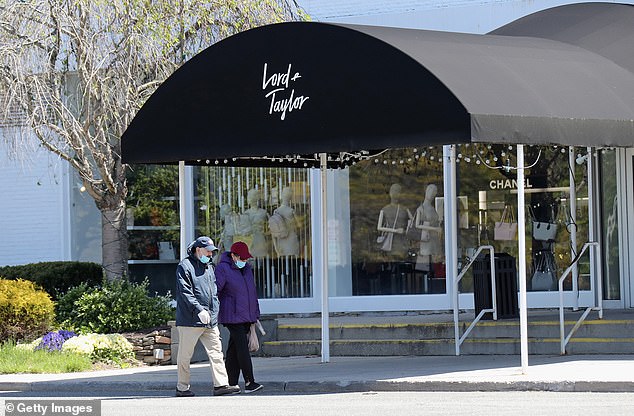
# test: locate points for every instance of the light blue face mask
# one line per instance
(240, 264)
(204, 259)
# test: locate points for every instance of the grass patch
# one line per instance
(19, 360)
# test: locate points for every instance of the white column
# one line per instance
(451, 232)
(521, 243)
(186, 206)
(325, 310)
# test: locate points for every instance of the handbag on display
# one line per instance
(412, 232)
(423, 263)
(544, 231)
(542, 281)
(387, 242)
(506, 228)
(543, 278)
(386, 237)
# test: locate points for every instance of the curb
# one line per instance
(308, 387)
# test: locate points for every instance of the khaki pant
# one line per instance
(210, 338)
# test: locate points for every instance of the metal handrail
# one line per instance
(458, 339)
(565, 339)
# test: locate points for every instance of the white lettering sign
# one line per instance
(283, 98)
(508, 184)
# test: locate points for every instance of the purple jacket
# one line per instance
(236, 291)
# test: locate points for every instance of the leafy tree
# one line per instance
(73, 73)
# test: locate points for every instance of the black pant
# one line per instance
(238, 355)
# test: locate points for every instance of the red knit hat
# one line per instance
(241, 250)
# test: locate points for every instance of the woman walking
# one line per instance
(239, 308)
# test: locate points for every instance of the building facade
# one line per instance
(372, 267)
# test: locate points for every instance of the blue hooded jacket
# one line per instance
(195, 290)
(236, 291)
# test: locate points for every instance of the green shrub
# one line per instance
(99, 347)
(66, 304)
(117, 306)
(56, 277)
(25, 311)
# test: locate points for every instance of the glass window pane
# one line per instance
(487, 192)
(609, 217)
(267, 208)
(388, 192)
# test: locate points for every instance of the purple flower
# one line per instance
(53, 341)
(66, 334)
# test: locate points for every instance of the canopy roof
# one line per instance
(301, 88)
(603, 28)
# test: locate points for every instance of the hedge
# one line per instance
(56, 277)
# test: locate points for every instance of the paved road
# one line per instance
(370, 403)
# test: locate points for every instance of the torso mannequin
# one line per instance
(260, 245)
(228, 231)
(393, 219)
(289, 245)
(427, 219)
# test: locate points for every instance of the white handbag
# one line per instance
(506, 228)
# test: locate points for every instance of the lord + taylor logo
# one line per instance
(281, 91)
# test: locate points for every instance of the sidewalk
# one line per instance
(598, 373)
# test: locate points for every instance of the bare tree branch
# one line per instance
(73, 73)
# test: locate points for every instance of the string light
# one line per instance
(494, 156)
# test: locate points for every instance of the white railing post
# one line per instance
(459, 340)
(563, 340)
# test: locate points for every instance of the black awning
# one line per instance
(302, 88)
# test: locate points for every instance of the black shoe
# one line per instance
(252, 386)
(184, 393)
(222, 390)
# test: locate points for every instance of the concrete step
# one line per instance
(476, 346)
(595, 336)
(431, 331)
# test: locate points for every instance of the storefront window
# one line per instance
(487, 188)
(396, 223)
(609, 210)
(267, 208)
(153, 225)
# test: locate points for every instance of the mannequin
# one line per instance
(258, 216)
(289, 244)
(393, 220)
(428, 221)
(228, 231)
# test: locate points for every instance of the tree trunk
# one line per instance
(114, 242)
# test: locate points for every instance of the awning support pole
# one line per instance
(325, 310)
(521, 243)
(185, 206)
(451, 231)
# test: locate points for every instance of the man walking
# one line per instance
(197, 317)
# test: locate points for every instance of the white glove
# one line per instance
(204, 317)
